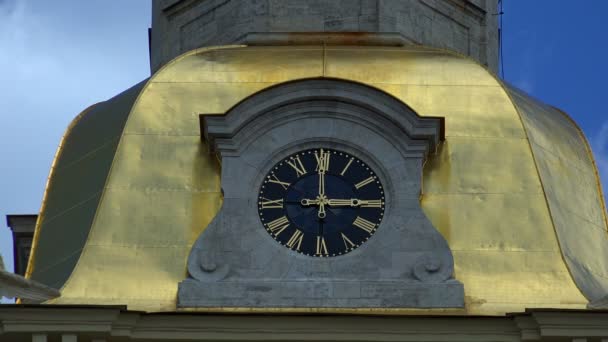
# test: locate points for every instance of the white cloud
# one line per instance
(524, 62)
(525, 84)
(21, 33)
(524, 76)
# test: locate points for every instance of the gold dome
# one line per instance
(513, 188)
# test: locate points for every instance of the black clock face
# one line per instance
(321, 202)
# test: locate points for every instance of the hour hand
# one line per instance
(320, 202)
(306, 202)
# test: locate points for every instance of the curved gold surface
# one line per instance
(481, 189)
(573, 192)
(73, 191)
(32, 259)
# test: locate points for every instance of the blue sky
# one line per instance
(557, 52)
(58, 57)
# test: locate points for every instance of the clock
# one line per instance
(321, 202)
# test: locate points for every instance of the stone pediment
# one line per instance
(406, 263)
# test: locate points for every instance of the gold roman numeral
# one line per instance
(365, 182)
(347, 243)
(295, 240)
(273, 179)
(297, 165)
(278, 226)
(371, 204)
(322, 160)
(321, 246)
(364, 224)
(271, 204)
(346, 167)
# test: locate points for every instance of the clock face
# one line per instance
(321, 202)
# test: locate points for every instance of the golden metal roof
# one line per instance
(513, 188)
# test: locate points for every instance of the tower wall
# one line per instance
(468, 27)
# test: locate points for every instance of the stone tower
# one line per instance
(469, 27)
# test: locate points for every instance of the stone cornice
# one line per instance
(115, 322)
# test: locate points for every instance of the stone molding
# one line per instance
(116, 323)
(327, 38)
(421, 134)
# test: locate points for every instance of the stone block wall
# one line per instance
(469, 27)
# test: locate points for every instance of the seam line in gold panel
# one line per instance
(603, 276)
(590, 155)
(60, 261)
(422, 49)
(31, 261)
(158, 191)
(463, 193)
(380, 83)
(318, 46)
(103, 191)
(167, 134)
(50, 219)
(481, 136)
(118, 245)
(184, 55)
(91, 152)
(256, 48)
(594, 224)
(504, 250)
(557, 156)
(542, 184)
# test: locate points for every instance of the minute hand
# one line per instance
(353, 202)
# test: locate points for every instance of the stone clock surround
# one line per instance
(406, 263)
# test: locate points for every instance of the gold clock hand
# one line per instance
(321, 213)
(321, 183)
(370, 203)
(340, 202)
(307, 202)
(354, 202)
(322, 167)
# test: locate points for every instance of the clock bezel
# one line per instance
(358, 152)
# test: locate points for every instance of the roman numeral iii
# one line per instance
(371, 204)
(364, 224)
